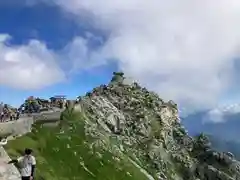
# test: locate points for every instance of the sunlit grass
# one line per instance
(63, 153)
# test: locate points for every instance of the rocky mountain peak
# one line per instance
(131, 133)
(149, 129)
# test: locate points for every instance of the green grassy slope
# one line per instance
(64, 152)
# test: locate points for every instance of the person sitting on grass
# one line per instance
(26, 164)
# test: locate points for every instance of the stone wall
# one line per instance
(14, 128)
(24, 124)
(46, 117)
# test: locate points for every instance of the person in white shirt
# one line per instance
(23, 109)
(27, 164)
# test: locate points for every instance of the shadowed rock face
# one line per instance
(149, 128)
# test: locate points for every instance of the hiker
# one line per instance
(27, 164)
(17, 115)
(61, 104)
(23, 109)
(2, 116)
(11, 116)
(66, 105)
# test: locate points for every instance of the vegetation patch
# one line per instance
(64, 153)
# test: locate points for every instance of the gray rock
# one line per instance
(150, 127)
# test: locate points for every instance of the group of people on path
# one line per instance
(7, 113)
(5, 116)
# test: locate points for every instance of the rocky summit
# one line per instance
(123, 131)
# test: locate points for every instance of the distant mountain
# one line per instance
(222, 125)
(221, 122)
(226, 146)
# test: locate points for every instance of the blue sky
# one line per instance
(187, 52)
(48, 24)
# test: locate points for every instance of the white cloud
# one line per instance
(4, 38)
(30, 66)
(214, 116)
(182, 49)
(34, 66)
(78, 56)
(221, 114)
